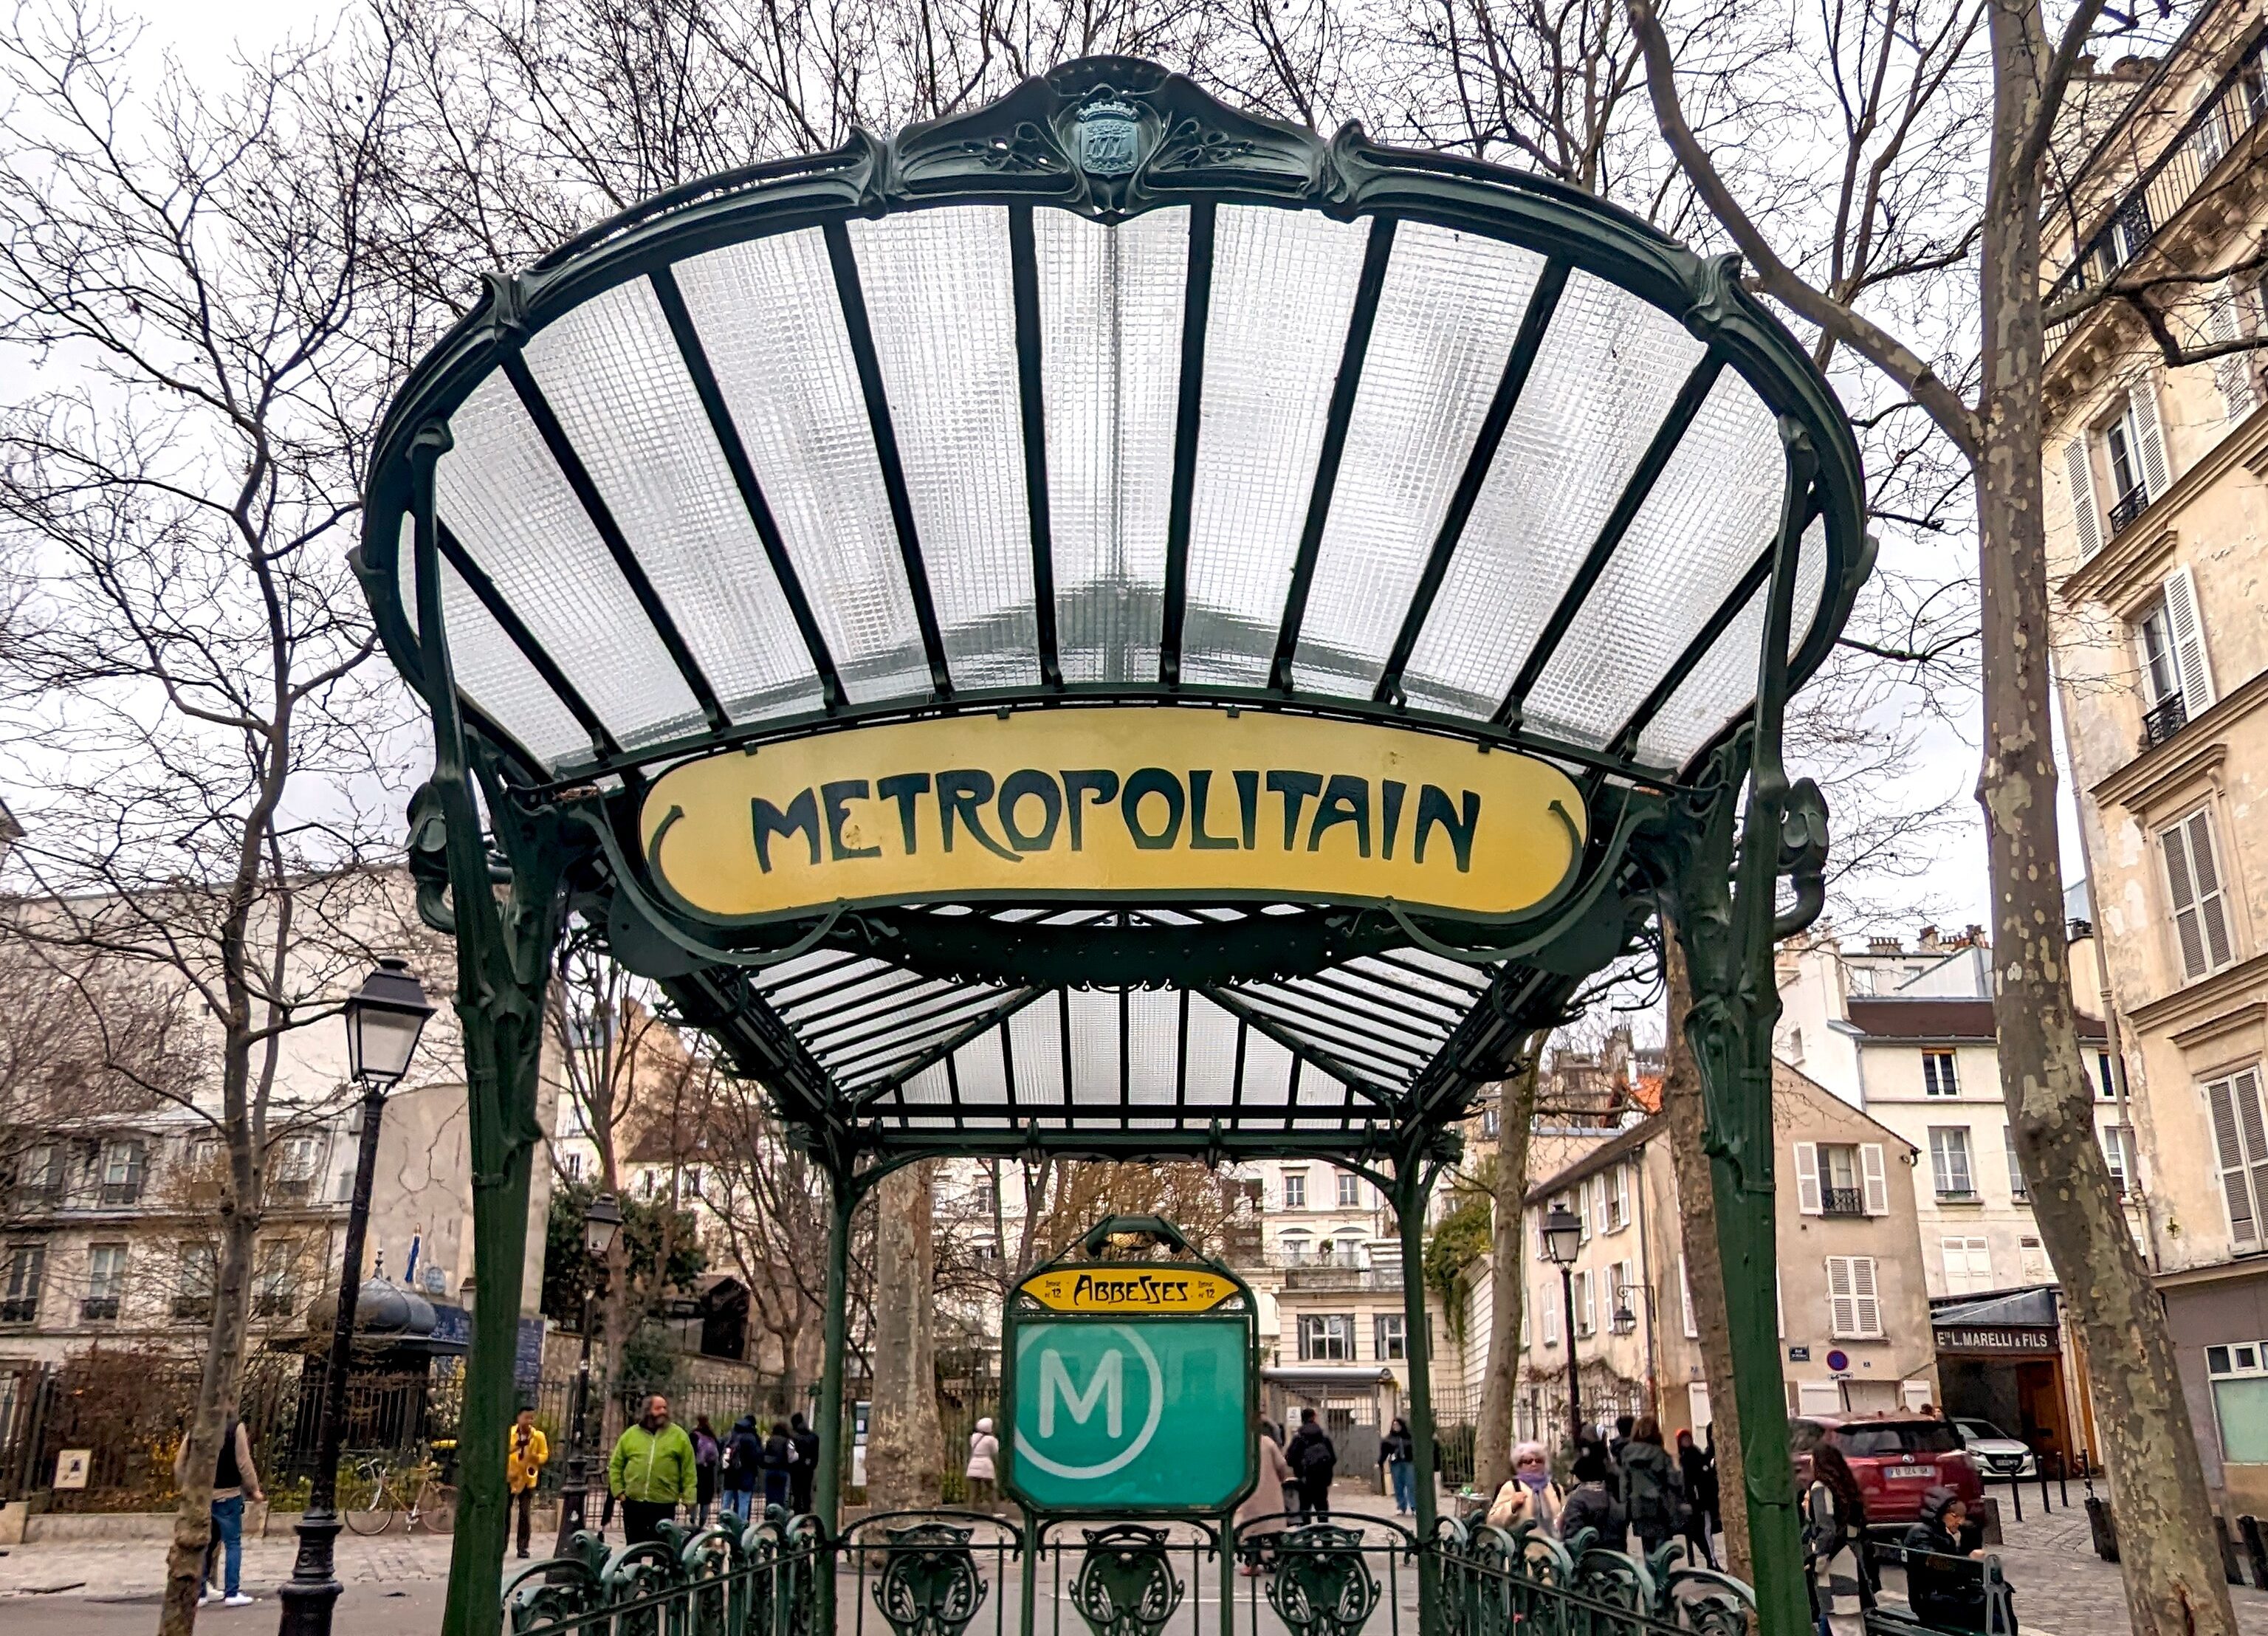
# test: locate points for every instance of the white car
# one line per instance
(1995, 1450)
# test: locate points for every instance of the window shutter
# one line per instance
(1590, 1305)
(2193, 881)
(1685, 1290)
(1878, 1186)
(2245, 1088)
(1807, 1178)
(2232, 372)
(2187, 631)
(2142, 400)
(2243, 1222)
(1550, 1321)
(1841, 1305)
(1864, 1307)
(2079, 474)
(2017, 1189)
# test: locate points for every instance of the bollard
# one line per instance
(2062, 1480)
(1989, 1522)
(2248, 1529)
(2103, 1527)
(2228, 1568)
(2016, 1495)
(2040, 1464)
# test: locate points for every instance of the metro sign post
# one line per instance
(1128, 1385)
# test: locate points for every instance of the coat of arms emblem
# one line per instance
(1107, 131)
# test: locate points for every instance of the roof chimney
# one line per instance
(1976, 938)
(1929, 941)
(1883, 946)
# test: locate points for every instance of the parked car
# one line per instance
(1994, 1450)
(1898, 1458)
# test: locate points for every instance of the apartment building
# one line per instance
(2159, 548)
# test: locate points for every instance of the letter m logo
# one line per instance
(1055, 1382)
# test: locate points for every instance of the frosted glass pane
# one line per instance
(500, 494)
(1035, 1039)
(1724, 683)
(1094, 1046)
(773, 331)
(1610, 366)
(1267, 1072)
(1715, 504)
(940, 299)
(613, 375)
(1153, 1038)
(925, 1087)
(1282, 286)
(979, 1068)
(1212, 1055)
(492, 672)
(1448, 313)
(1110, 329)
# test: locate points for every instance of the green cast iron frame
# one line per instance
(504, 849)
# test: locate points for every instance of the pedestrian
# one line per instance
(742, 1461)
(1617, 1447)
(1313, 1459)
(780, 1455)
(1593, 1504)
(1653, 1491)
(1529, 1495)
(1258, 1521)
(1835, 1470)
(706, 1454)
(524, 1454)
(804, 1471)
(1396, 1452)
(1942, 1595)
(1831, 1554)
(650, 1471)
(1698, 1468)
(984, 1449)
(233, 1477)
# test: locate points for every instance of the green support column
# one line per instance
(1413, 1183)
(827, 1486)
(504, 944)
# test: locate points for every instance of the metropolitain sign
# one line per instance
(1108, 802)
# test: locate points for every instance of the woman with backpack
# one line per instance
(744, 1457)
(1654, 1490)
(780, 1455)
(707, 1452)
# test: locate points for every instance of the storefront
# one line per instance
(2002, 1359)
(2218, 1317)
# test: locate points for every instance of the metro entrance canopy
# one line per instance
(1112, 625)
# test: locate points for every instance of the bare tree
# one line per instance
(904, 1441)
(1508, 1259)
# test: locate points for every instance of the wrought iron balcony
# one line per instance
(1843, 1201)
(1956, 1195)
(2163, 719)
(2128, 507)
(23, 1310)
(194, 1308)
(98, 1309)
(1323, 1275)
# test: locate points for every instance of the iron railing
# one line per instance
(2221, 121)
(1843, 1201)
(916, 1573)
(2163, 719)
(2128, 507)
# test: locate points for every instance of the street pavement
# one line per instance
(393, 1586)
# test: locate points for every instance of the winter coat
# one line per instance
(778, 1452)
(744, 1453)
(1266, 1499)
(1830, 1554)
(1699, 1470)
(983, 1450)
(1396, 1446)
(1591, 1505)
(653, 1468)
(1652, 1491)
(1940, 1594)
(523, 1462)
(1516, 1503)
(1313, 1458)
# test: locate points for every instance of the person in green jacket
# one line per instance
(651, 1471)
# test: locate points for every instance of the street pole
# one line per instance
(574, 1492)
(312, 1590)
(1574, 1382)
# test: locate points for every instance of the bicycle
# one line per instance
(414, 1491)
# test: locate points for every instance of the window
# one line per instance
(2036, 1270)
(1327, 1337)
(122, 1169)
(27, 1266)
(571, 1165)
(2240, 1141)
(1853, 1311)
(1350, 1192)
(1795, 1044)
(292, 1172)
(2135, 450)
(1938, 1078)
(1623, 1298)
(275, 1288)
(2238, 1374)
(195, 1279)
(39, 1175)
(105, 1281)
(1616, 1184)
(1841, 1179)
(1492, 1123)
(1968, 1265)
(1948, 1160)
(2118, 1150)
(1295, 1246)
(1550, 1304)
(2170, 645)
(1390, 1336)
(2200, 911)
(1587, 1305)
(1295, 1190)
(2103, 1076)
(2018, 1192)
(2233, 307)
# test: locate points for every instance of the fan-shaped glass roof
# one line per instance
(1110, 394)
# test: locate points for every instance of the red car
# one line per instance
(1898, 1458)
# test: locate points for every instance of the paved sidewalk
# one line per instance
(130, 1570)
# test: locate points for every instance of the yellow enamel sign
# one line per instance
(1127, 1289)
(1102, 802)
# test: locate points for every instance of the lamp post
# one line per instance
(602, 1220)
(1563, 1242)
(384, 1019)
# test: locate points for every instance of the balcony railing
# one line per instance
(194, 1308)
(1322, 1275)
(2221, 121)
(123, 1192)
(1963, 1195)
(98, 1309)
(2163, 719)
(2128, 507)
(1843, 1201)
(22, 1311)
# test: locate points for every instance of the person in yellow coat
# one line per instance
(523, 1460)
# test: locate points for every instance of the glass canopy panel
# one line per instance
(1212, 1057)
(1715, 506)
(1446, 316)
(1110, 339)
(1609, 369)
(1282, 286)
(1724, 683)
(499, 492)
(492, 672)
(1152, 1057)
(1035, 1049)
(1093, 1047)
(1267, 1073)
(773, 331)
(613, 375)
(943, 310)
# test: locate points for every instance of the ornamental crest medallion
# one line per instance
(1108, 133)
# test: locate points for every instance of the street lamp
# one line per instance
(1563, 1242)
(602, 1220)
(384, 1019)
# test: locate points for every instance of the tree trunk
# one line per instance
(903, 1440)
(2173, 1573)
(1507, 1271)
(218, 1386)
(1705, 1272)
